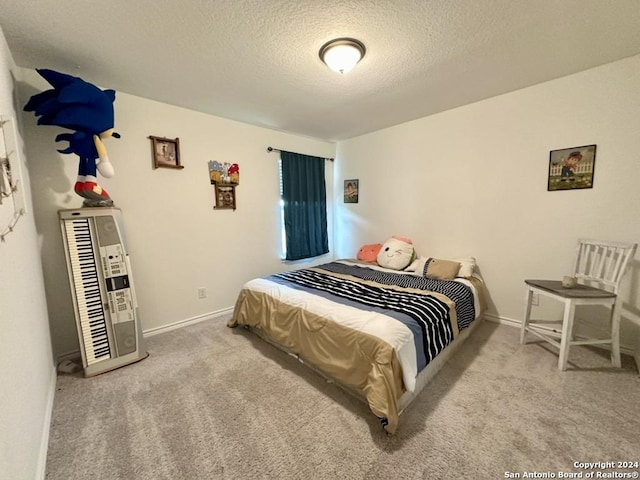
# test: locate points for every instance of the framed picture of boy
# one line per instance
(571, 168)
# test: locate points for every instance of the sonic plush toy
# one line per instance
(88, 110)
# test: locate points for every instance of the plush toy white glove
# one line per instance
(103, 164)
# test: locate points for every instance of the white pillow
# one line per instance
(467, 266)
(417, 265)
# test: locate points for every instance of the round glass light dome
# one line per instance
(342, 54)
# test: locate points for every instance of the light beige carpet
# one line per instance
(214, 403)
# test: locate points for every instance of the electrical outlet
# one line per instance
(535, 299)
(202, 292)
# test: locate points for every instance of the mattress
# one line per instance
(370, 329)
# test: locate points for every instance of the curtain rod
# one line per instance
(271, 149)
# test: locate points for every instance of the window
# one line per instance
(303, 206)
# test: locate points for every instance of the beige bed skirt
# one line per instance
(422, 380)
(361, 361)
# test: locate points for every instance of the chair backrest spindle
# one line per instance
(602, 264)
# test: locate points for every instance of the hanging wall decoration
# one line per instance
(87, 111)
(225, 177)
(571, 168)
(165, 152)
(351, 191)
(12, 199)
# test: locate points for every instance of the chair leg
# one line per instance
(567, 329)
(615, 334)
(527, 314)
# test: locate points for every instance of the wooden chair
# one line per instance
(599, 268)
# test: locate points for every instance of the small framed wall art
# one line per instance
(166, 152)
(225, 196)
(571, 168)
(225, 177)
(351, 191)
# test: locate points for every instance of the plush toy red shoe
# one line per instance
(91, 190)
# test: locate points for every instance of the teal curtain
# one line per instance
(305, 205)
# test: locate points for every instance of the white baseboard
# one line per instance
(158, 330)
(188, 321)
(510, 322)
(46, 427)
(502, 320)
(71, 355)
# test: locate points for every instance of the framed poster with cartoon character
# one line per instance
(571, 168)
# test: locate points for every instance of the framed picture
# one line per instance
(225, 197)
(351, 191)
(166, 152)
(571, 168)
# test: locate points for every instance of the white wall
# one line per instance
(176, 240)
(27, 376)
(467, 181)
(473, 181)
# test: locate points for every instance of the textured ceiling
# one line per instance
(256, 61)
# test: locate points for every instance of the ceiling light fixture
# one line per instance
(342, 54)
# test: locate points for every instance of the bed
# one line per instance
(379, 333)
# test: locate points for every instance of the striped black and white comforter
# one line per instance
(414, 314)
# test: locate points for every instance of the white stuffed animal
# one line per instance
(396, 253)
